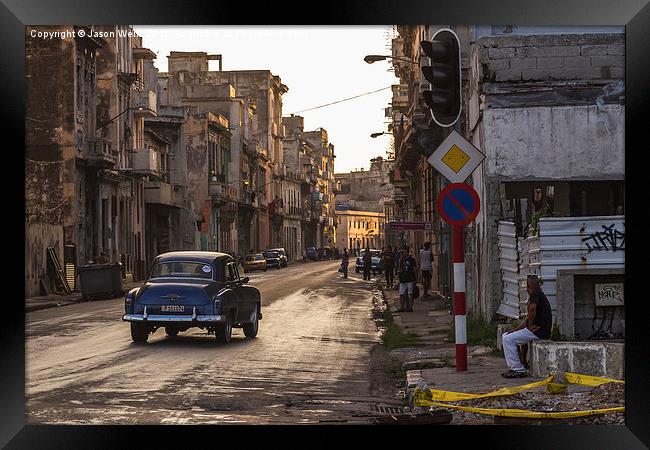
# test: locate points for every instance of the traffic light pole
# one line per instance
(460, 309)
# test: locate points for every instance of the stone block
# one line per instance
(550, 62)
(573, 50)
(577, 61)
(588, 360)
(498, 53)
(576, 73)
(617, 72)
(593, 50)
(602, 359)
(616, 49)
(535, 74)
(508, 75)
(609, 60)
(523, 63)
(499, 64)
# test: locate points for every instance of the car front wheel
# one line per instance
(139, 333)
(223, 332)
(250, 329)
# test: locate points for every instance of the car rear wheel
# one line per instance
(250, 329)
(139, 333)
(171, 332)
(223, 332)
(265, 269)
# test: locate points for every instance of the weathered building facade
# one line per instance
(81, 144)
(545, 105)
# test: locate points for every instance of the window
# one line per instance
(181, 269)
(231, 272)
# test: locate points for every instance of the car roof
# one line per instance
(198, 256)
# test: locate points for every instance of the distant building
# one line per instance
(356, 229)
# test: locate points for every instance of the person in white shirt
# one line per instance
(426, 259)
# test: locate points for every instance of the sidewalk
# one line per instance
(56, 300)
(434, 362)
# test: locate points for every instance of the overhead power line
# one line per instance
(342, 100)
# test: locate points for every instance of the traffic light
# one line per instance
(444, 98)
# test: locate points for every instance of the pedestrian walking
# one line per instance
(407, 279)
(536, 326)
(345, 259)
(388, 259)
(398, 254)
(367, 263)
(426, 267)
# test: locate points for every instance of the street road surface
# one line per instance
(311, 362)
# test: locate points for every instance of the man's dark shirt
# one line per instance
(543, 316)
(407, 270)
(389, 259)
(367, 257)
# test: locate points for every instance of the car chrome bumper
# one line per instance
(172, 318)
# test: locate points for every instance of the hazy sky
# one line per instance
(319, 64)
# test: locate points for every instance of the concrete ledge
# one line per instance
(603, 359)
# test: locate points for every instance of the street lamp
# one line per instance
(374, 135)
(373, 58)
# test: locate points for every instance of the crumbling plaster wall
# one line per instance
(538, 142)
(49, 151)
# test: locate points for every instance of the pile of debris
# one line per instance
(609, 395)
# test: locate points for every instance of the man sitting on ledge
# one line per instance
(536, 326)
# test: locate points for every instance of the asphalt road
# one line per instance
(311, 362)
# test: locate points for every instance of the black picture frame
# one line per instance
(634, 15)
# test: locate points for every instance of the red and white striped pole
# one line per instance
(458, 258)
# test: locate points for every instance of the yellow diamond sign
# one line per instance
(455, 158)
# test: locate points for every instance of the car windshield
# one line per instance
(259, 257)
(180, 269)
(271, 254)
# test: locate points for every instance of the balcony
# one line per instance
(400, 99)
(218, 188)
(146, 104)
(145, 161)
(101, 154)
(161, 193)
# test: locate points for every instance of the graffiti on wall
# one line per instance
(608, 239)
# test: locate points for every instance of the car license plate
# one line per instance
(172, 308)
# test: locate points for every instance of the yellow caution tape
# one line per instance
(555, 388)
(504, 412)
(426, 397)
(588, 380)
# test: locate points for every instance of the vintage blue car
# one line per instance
(193, 289)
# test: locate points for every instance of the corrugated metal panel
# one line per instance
(572, 243)
(508, 260)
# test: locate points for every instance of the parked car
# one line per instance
(254, 261)
(283, 256)
(193, 289)
(272, 259)
(327, 253)
(376, 265)
(311, 253)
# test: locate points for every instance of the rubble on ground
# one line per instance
(609, 395)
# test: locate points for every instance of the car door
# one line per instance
(244, 307)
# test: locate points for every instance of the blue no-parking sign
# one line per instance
(458, 204)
